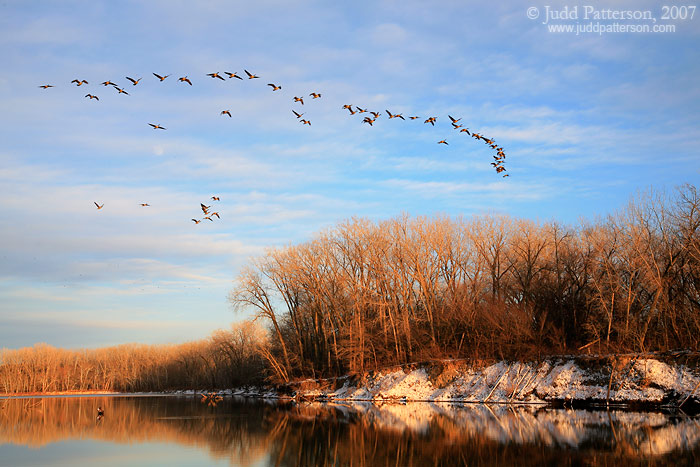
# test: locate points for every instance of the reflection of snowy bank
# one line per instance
(633, 380)
(629, 433)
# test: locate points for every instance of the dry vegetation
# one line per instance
(366, 295)
(369, 294)
(226, 359)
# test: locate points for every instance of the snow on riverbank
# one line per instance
(611, 379)
(634, 380)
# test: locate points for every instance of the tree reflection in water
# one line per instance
(252, 431)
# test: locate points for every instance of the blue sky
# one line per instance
(586, 121)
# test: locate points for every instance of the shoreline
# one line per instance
(60, 393)
(648, 382)
(691, 408)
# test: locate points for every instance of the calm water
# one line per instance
(183, 431)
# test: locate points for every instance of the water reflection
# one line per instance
(245, 432)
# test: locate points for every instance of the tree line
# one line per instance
(367, 294)
(228, 358)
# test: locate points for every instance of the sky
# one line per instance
(586, 121)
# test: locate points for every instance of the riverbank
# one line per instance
(639, 380)
(653, 380)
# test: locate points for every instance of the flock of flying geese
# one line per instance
(205, 209)
(207, 215)
(499, 157)
(370, 118)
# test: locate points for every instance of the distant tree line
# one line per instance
(228, 358)
(368, 294)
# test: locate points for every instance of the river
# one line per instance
(186, 431)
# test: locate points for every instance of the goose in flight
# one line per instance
(232, 75)
(92, 97)
(454, 120)
(250, 75)
(157, 126)
(465, 130)
(46, 86)
(79, 82)
(216, 75)
(395, 116)
(274, 87)
(298, 115)
(205, 209)
(185, 79)
(108, 83)
(196, 221)
(442, 141)
(136, 81)
(369, 120)
(431, 120)
(145, 204)
(299, 99)
(215, 214)
(360, 110)
(215, 198)
(414, 118)
(121, 91)
(226, 112)
(315, 95)
(305, 122)
(99, 206)
(161, 78)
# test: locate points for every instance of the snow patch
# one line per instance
(642, 380)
